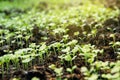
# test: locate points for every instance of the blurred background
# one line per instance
(24, 5)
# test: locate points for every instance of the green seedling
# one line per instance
(58, 71)
(65, 38)
(115, 45)
(72, 43)
(26, 61)
(66, 50)
(1, 36)
(43, 49)
(16, 28)
(76, 33)
(2, 42)
(35, 78)
(27, 38)
(15, 79)
(59, 31)
(94, 32)
(16, 62)
(2, 65)
(114, 73)
(24, 56)
(32, 45)
(70, 70)
(8, 37)
(113, 36)
(19, 38)
(89, 52)
(85, 71)
(75, 50)
(56, 47)
(67, 57)
(89, 74)
(7, 59)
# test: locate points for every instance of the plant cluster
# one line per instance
(62, 41)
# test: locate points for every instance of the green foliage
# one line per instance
(54, 19)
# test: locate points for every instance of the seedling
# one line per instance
(56, 47)
(115, 45)
(28, 45)
(8, 37)
(35, 78)
(43, 49)
(65, 38)
(67, 57)
(113, 36)
(71, 69)
(59, 31)
(2, 65)
(7, 59)
(15, 79)
(58, 71)
(27, 61)
(89, 52)
(72, 43)
(94, 32)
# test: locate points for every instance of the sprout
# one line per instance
(115, 45)
(23, 51)
(72, 43)
(7, 59)
(67, 57)
(35, 78)
(56, 47)
(85, 71)
(2, 65)
(71, 69)
(113, 36)
(76, 33)
(76, 49)
(26, 61)
(94, 32)
(58, 71)
(15, 79)
(66, 50)
(59, 30)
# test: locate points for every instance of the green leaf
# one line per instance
(68, 57)
(52, 66)
(69, 70)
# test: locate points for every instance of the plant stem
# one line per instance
(2, 71)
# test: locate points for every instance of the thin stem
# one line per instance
(2, 71)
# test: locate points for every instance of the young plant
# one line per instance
(35, 78)
(2, 65)
(58, 71)
(24, 55)
(113, 36)
(43, 49)
(115, 45)
(8, 38)
(67, 57)
(94, 32)
(26, 61)
(89, 52)
(56, 47)
(7, 59)
(72, 43)
(70, 70)
(59, 31)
